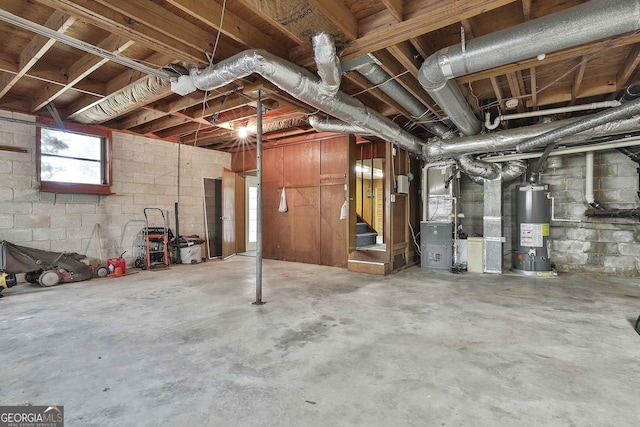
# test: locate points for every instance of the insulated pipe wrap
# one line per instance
(329, 68)
(584, 23)
(376, 75)
(507, 140)
(306, 87)
(622, 112)
(478, 168)
(591, 21)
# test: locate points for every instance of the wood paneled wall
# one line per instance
(313, 175)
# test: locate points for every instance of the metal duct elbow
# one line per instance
(512, 170)
(473, 167)
(306, 87)
(329, 69)
(584, 23)
(446, 93)
(332, 125)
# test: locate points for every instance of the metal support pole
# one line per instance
(258, 300)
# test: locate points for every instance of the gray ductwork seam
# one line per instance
(587, 22)
(306, 87)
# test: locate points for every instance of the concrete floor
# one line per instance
(184, 346)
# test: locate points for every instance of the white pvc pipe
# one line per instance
(588, 177)
(624, 142)
(503, 118)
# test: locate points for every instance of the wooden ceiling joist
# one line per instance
(39, 45)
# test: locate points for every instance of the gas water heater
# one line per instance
(531, 238)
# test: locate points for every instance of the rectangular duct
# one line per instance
(492, 226)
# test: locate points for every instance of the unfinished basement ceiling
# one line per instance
(175, 35)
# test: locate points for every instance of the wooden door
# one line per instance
(228, 213)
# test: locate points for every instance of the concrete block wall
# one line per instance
(579, 243)
(145, 174)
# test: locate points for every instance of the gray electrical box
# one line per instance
(436, 245)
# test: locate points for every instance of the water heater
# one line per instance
(531, 238)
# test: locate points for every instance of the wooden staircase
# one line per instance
(368, 256)
(365, 234)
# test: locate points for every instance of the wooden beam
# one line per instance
(13, 149)
(340, 15)
(554, 57)
(577, 80)
(498, 91)
(526, 9)
(534, 87)
(396, 8)
(114, 85)
(164, 108)
(296, 23)
(211, 13)
(158, 18)
(432, 17)
(37, 47)
(125, 26)
(470, 28)
(512, 79)
(630, 65)
(79, 70)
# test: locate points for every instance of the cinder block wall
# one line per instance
(145, 174)
(579, 243)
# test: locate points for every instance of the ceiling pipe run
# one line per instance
(549, 139)
(332, 125)
(306, 87)
(587, 22)
(507, 140)
(389, 86)
(125, 100)
(503, 118)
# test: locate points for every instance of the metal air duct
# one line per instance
(508, 140)
(376, 75)
(129, 98)
(550, 138)
(591, 21)
(306, 87)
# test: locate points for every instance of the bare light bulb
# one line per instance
(242, 132)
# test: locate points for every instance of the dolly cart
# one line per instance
(156, 241)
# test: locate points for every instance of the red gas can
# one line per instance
(113, 263)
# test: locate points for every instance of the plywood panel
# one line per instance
(334, 159)
(305, 208)
(240, 214)
(228, 213)
(272, 167)
(302, 165)
(333, 230)
(274, 225)
(399, 218)
(244, 161)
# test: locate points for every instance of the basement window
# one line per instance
(74, 160)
